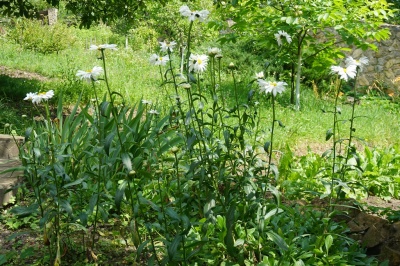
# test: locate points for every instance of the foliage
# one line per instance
(31, 34)
(88, 12)
(197, 179)
(314, 27)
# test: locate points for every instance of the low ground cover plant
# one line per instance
(198, 179)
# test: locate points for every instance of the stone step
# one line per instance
(9, 159)
(8, 147)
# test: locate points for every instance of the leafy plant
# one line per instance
(31, 34)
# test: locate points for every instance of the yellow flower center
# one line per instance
(274, 84)
(160, 58)
(345, 70)
(199, 61)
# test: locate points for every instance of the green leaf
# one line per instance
(299, 263)
(171, 213)
(173, 247)
(266, 146)
(3, 259)
(126, 160)
(76, 182)
(66, 206)
(278, 240)
(119, 194)
(239, 242)
(280, 123)
(328, 134)
(107, 143)
(28, 133)
(23, 211)
(272, 213)
(328, 242)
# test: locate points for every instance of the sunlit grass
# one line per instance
(131, 75)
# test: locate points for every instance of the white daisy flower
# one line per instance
(158, 60)
(103, 47)
(147, 102)
(280, 34)
(90, 75)
(213, 51)
(345, 72)
(193, 15)
(363, 61)
(30, 96)
(154, 112)
(37, 98)
(198, 63)
(260, 75)
(167, 46)
(273, 87)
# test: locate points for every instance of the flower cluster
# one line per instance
(193, 15)
(90, 75)
(280, 34)
(159, 60)
(350, 70)
(37, 98)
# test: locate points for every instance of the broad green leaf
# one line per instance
(107, 142)
(278, 240)
(126, 160)
(76, 182)
(328, 242)
(25, 211)
(328, 134)
(266, 146)
(172, 213)
(66, 206)
(119, 194)
(173, 247)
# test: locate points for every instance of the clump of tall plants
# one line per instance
(195, 182)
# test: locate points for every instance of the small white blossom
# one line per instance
(198, 63)
(154, 112)
(90, 75)
(213, 51)
(273, 87)
(363, 61)
(37, 98)
(167, 46)
(260, 75)
(147, 102)
(345, 72)
(158, 60)
(280, 34)
(29, 96)
(103, 47)
(193, 15)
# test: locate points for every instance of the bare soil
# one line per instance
(15, 73)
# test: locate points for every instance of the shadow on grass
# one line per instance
(13, 108)
(16, 88)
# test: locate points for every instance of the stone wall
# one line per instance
(384, 64)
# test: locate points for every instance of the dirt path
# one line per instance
(15, 73)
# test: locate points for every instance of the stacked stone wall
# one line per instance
(384, 64)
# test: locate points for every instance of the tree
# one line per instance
(89, 11)
(354, 22)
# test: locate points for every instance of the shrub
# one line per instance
(45, 39)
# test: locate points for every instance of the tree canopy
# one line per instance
(89, 11)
